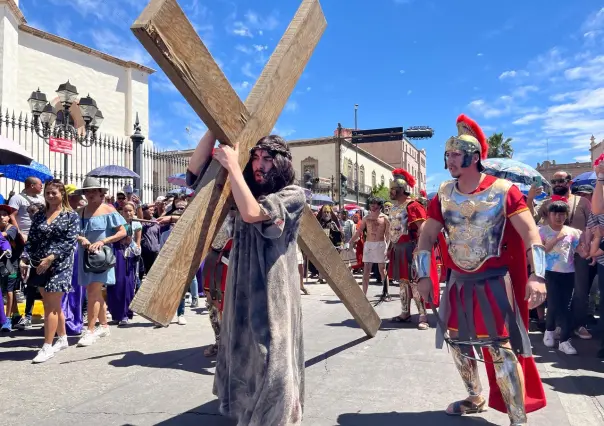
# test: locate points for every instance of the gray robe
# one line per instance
(260, 365)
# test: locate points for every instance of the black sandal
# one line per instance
(464, 407)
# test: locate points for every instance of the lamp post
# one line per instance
(356, 180)
(45, 116)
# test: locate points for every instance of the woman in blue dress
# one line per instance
(101, 225)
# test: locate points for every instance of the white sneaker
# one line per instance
(101, 331)
(567, 348)
(557, 333)
(549, 339)
(44, 354)
(87, 339)
(182, 320)
(60, 344)
(123, 322)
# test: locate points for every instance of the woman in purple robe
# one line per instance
(126, 252)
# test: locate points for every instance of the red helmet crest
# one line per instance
(405, 175)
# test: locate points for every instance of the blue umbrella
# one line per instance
(587, 178)
(320, 198)
(20, 172)
(513, 170)
(525, 189)
(112, 171)
(182, 191)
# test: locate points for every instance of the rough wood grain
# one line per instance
(168, 36)
(190, 239)
(321, 252)
(166, 33)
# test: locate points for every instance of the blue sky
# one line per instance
(530, 69)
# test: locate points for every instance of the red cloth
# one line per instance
(209, 273)
(559, 198)
(442, 255)
(513, 257)
(415, 215)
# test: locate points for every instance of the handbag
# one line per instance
(100, 261)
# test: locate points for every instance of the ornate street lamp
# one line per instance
(45, 116)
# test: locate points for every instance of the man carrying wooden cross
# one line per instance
(262, 313)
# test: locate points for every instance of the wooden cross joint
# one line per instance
(171, 40)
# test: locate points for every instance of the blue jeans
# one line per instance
(181, 307)
(194, 288)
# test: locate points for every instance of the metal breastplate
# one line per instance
(398, 222)
(474, 223)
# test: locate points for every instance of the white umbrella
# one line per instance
(13, 153)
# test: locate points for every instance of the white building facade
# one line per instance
(32, 59)
(328, 158)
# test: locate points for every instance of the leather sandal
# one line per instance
(464, 407)
(210, 351)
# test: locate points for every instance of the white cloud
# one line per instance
(283, 132)
(402, 71)
(259, 47)
(291, 106)
(246, 70)
(308, 89)
(161, 83)
(240, 29)
(107, 41)
(409, 92)
(549, 63)
(243, 49)
(583, 158)
(513, 74)
(592, 70)
(481, 107)
(63, 27)
(523, 91)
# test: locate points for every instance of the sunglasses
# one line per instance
(557, 181)
(121, 198)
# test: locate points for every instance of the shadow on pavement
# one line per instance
(190, 359)
(206, 414)
(396, 419)
(578, 385)
(19, 355)
(334, 351)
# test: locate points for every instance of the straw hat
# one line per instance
(90, 183)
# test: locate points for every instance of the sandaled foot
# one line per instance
(210, 351)
(464, 407)
(398, 318)
(423, 323)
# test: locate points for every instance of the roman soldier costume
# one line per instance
(405, 219)
(484, 301)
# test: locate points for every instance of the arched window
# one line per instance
(362, 175)
(382, 180)
(373, 179)
(355, 172)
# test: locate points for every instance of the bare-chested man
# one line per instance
(374, 251)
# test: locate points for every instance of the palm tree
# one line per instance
(499, 147)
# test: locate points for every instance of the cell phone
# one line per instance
(538, 181)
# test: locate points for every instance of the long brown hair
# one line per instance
(61, 187)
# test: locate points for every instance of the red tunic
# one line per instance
(416, 214)
(512, 257)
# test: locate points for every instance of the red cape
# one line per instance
(534, 396)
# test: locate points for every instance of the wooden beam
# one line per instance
(168, 36)
(190, 239)
(326, 259)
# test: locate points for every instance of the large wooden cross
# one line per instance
(169, 37)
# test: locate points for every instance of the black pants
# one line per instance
(584, 277)
(148, 258)
(559, 287)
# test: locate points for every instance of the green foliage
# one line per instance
(500, 147)
(381, 191)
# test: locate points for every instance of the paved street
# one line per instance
(146, 376)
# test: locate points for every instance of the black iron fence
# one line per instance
(157, 165)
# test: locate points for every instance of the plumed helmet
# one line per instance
(470, 138)
(402, 179)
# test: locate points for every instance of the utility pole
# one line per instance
(356, 180)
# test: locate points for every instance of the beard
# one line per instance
(560, 190)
